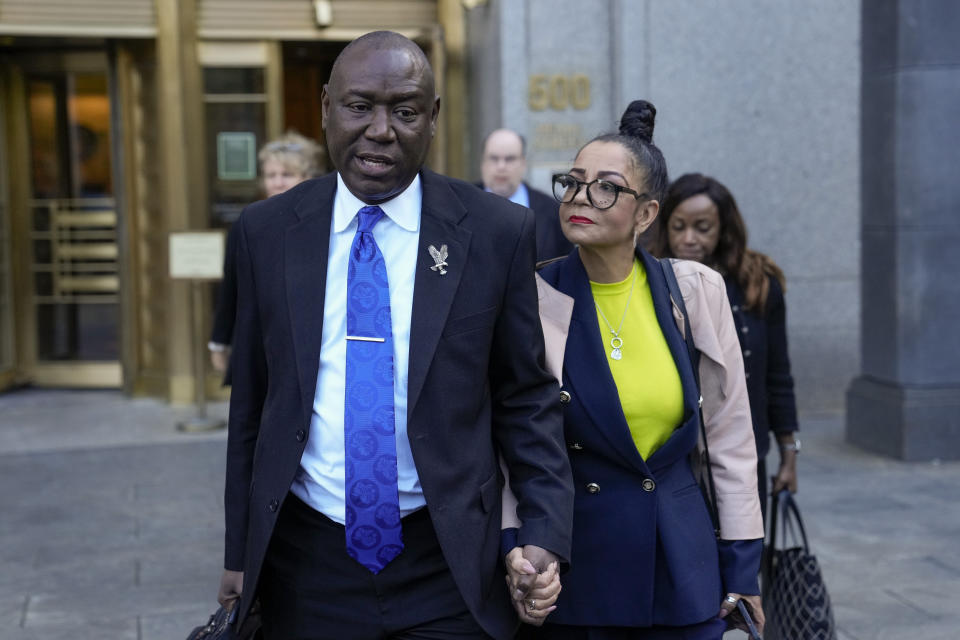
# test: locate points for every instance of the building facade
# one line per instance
(122, 121)
(833, 124)
(763, 96)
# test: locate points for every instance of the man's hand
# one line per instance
(231, 588)
(539, 557)
(524, 564)
(754, 606)
(533, 593)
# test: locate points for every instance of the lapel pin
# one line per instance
(439, 258)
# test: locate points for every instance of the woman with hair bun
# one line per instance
(647, 562)
(701, 221)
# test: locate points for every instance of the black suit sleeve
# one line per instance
(248, 365)
(223, 319)
(781, 402)
(527, 419)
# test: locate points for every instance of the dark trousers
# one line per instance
(710, 630)
(311, 589)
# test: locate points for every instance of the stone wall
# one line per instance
(764, 96)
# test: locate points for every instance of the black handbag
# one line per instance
(220, 627)
(795, 598)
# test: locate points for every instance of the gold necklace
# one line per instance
(616, 342)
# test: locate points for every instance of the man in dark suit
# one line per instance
(503, 168)
(387, 348)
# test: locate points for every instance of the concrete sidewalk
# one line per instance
(112, 524)
(112, 520)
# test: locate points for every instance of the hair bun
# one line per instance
(637, 120)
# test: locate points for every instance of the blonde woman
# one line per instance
(284, 163)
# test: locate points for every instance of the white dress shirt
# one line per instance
(320, 480)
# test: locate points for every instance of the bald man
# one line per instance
(503, 168)
(387, 349)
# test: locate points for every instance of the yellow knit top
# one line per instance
(646, 376)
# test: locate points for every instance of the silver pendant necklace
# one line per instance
(616, 342)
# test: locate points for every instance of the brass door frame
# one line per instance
(262, 54)
(18, 193)
(29, 368)
(7, 326)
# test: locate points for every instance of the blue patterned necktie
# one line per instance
(372, 515)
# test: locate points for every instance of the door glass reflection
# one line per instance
(74, 219)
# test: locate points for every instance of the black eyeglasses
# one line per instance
(602, 194)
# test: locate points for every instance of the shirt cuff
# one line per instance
(509, 538)
(740, 565)
(216, 346)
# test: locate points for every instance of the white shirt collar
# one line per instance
(403, 208)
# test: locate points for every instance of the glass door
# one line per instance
(72, 223)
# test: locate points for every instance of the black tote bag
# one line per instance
(795, 598)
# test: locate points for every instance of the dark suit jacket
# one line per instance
(763, 340)
(226, 311)
(644, 548)
(476, 381)
(551, 243)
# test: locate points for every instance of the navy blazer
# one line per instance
(477, 384)
(644, 548)
(763, 340)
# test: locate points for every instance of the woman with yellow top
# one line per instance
(646, 560)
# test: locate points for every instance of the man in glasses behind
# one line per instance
(503, 169)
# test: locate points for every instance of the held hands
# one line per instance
(533, 579)
(231, 587)
(729, 608)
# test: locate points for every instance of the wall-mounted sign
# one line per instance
(196, 255)
(558, 92)
(236, 155)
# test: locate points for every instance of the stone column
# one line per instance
(906, 402)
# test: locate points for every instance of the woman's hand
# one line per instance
(754, 605)
(533, 594)
(786, 477)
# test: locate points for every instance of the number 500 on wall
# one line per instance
(558, 92)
